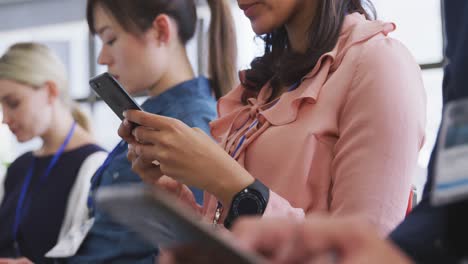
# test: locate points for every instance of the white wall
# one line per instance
(34, 13)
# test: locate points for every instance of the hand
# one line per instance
(193, 254)
(198, 253)
(125, 131)
(185, 154)
(319, 239)
(149, 172)
(15, 261)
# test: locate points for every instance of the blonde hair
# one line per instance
(34, 64)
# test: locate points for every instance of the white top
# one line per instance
(77, 209)
(76, 214)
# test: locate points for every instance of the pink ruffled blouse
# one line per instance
(346, 141)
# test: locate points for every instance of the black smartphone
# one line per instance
(113, 94)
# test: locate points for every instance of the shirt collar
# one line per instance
(356, 29)
(196, 87)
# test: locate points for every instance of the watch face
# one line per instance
(248, 203)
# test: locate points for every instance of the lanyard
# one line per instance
(239, 145)
(98, 175)
(255, 122)
(241, 141)
(20, 212)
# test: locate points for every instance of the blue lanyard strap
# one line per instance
(98, 175)
(19, 213)
(242, 139)
(254, 123)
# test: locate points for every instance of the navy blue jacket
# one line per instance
(440, 234)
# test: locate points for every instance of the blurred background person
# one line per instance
(319, 239)
(438, 234)
(46, 189)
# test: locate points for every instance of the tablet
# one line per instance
(165, 222)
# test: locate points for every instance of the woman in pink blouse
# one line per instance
(330, 119)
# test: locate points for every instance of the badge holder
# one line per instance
(451, 167)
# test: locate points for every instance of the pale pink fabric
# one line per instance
(346, 141)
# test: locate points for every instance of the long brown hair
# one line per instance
(283, 67)
(136, 16)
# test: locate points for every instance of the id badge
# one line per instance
(69, 245)
(451, 168)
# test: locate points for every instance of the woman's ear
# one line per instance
(163, 29)
(52, 91)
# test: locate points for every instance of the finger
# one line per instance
(149, 178)
(170, 185)
(246, 228)
(321, 234)
(186, 195)
(148, 172)
(147, 136)
(349, 240)
(294, 250)
(125, 131)
(131, 154)
(179, 190)
(150, 153)
(321, 239)
(301, 244)
(154, 121)
(264, 236)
